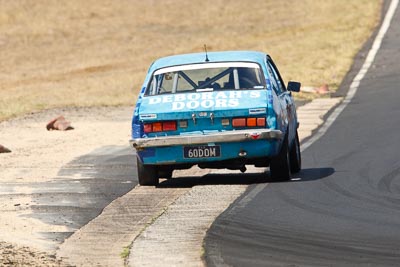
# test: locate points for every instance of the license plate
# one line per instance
(198, 152)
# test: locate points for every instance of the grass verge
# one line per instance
(125, 253)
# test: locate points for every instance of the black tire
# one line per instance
(295, 155)
(147, 174)
(165, 173)
(280, 165)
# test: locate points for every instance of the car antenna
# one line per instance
(205, 49)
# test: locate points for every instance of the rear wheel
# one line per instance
(280, 165)
(165, 173)
(147, 174)
(295, 155)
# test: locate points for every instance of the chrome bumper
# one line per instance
(220, 137)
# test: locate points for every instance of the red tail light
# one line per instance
(148, 127)
(169, 126)
(159, 126)
(239, 122)
(261, 122)
(249, 122)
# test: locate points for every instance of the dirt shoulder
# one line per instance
(38, 203)
(13, 255)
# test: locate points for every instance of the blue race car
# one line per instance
(221, 110)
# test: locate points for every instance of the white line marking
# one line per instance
(356, 81)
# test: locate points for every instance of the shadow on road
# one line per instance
(215, 179)
(312, 174)
(306, 175)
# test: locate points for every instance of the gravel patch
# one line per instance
(14, 255)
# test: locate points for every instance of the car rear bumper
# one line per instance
(220, 137)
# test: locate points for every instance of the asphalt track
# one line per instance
(344, 207)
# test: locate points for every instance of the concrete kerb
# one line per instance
(101, 241)
(311, 116)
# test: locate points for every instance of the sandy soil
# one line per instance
(13, 255)
(37, 156)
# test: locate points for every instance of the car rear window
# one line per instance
(206, 77)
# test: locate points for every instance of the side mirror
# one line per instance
(294, 87)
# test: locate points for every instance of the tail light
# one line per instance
(261, 122)
(148, 127)
(169, 126)
(248, 122)
(159, 126)
(251, 122)
(239, 122)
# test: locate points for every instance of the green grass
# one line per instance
(125, 253)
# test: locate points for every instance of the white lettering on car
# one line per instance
(208, 95)
(205, 100)
(178, 105)
(154, 100)
(167, 99)
(235, 94)
(254, 94)
(192, 104)
(206, 152)
(180, 97)
(220, 95)
(193, 96)
(207, 103)
(213, 152)
(233, 103)
(220, 103)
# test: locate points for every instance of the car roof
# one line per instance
(196, 58)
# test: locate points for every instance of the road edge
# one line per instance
(372, 45)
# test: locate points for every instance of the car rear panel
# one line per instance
(202, 114)
(205, 111)
(176, 154)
